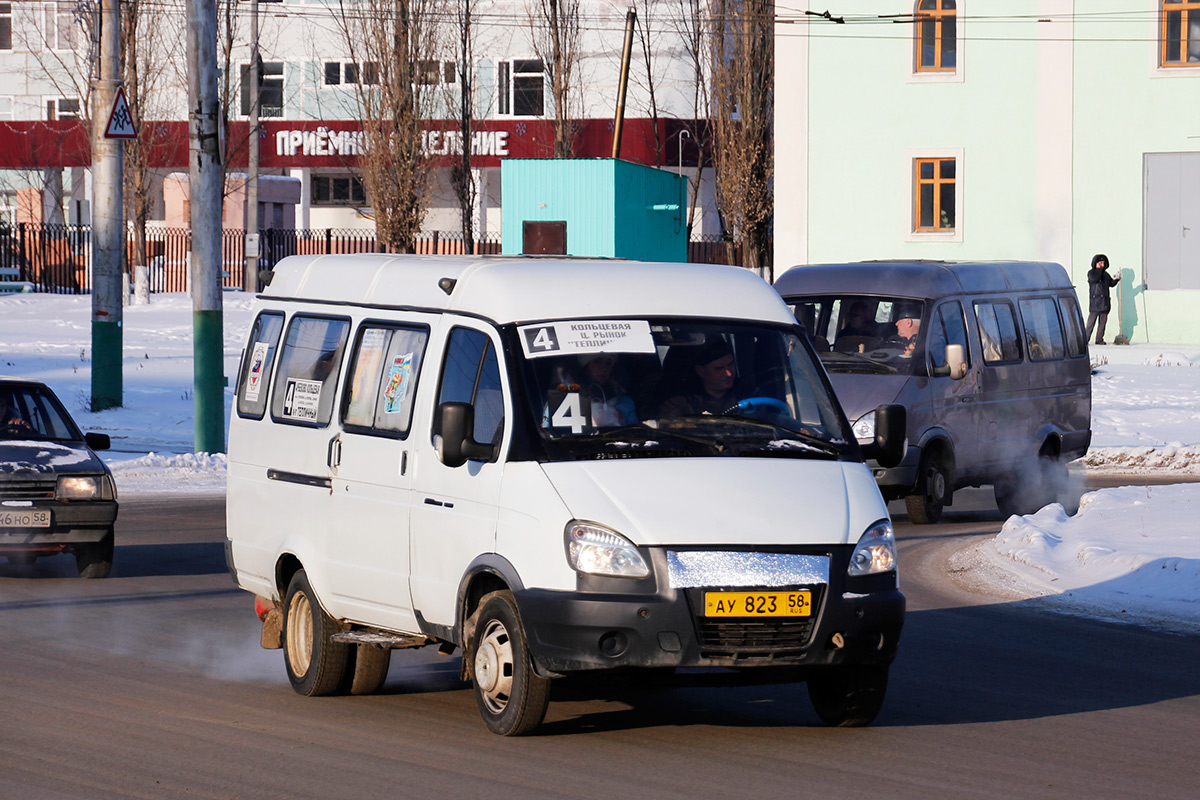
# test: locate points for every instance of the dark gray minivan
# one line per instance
(989, 358)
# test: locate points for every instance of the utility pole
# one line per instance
(204, 160)
(250, 280)
(108, 221)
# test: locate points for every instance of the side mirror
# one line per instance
(956, 363)
(455, 446)
(890, 443)
(97, 441)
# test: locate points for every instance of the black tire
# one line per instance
(94, 559)
(366, 668)
(933, 487)
(512, 699)
(315, 664)
(848, 696)
(22, 559)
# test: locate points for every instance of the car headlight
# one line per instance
(84, 487)
(876, 551)
(599, 551)
(864, 428)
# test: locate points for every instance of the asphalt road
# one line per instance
(151, 684)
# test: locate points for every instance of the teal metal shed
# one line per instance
(593, 207)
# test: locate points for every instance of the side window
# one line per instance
(998, 332)
(1043, 331)
(307, 377)
(1076, 344)
(949, 327)
(471, 374)
(256, 365)
(382, 380)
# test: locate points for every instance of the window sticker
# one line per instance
(398, 381)
(301, 399)
(568, 410)
(585, 336)
(258, 360)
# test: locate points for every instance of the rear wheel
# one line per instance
(932, 489)
(512, 699)
(315, 663)
(94, 559)
(849, 696)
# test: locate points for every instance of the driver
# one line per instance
(716, 373)
(908, 326)
(10, 417)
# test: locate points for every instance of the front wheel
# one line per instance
(511, 697)
(932, 489)
(94, 559)
(849, 696)
(315, 663)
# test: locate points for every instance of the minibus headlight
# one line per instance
(876, 551)
(599, 551)
(864, 428)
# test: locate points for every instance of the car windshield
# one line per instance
(675, 387)
(864, 333)
(32, 412)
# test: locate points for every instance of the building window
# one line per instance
(5, 26)
(434, 73)
(6, 108)
(522, 87)
(936, 36)
(62, 108)
(348, 72)
(346, 191)
(935, 195)
(60, 26)
(270, 89)
(1180, 33)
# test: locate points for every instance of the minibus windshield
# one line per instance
(628, 388)
(864, 333)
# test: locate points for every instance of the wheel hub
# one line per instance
(937, 485)
(487, 669)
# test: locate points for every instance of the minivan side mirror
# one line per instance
(956, 363)
(97, 441)
(455, 446)
(890, 443)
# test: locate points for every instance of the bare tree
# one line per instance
(390, 41)
(462, 176)
(743, 70)
(691, 26)
(556, 27)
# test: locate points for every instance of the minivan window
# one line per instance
(471, 374)
(949, 327)
(382, 377)
(256, 365)
(998, 332)
(678, 387)
(1043, 331)
(1076, 344)
(858, 333)
(309, 365)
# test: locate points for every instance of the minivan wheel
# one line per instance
(849, 696)
(933, 484)
(315, 664)
(94, 559)
(511, 697)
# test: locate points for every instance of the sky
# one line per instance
(1131, 553)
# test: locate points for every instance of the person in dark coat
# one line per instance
(1099, 299)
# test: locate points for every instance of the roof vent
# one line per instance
(447, 285)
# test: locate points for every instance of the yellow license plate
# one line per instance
(757, 604)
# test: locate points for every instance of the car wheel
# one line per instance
(512, 699)
(848, 696)
(933, 486)
(315, 663)
(21, 559)
(366, 668)
(94, 559)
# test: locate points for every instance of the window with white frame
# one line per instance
(5, 26)
(936, 36)
(62, 108)
(435, 73)
(6, 108)
(60, 25)
(270, 89)
(522, 87)
(1180, 38)
(339, 73)
(345, 190)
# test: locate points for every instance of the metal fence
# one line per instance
(58, 258)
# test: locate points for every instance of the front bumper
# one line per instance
(650, 624)
(71, 523)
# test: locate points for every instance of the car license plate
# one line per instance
(757, 604)
(24, 519)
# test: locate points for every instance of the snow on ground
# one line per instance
(1130, 552)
